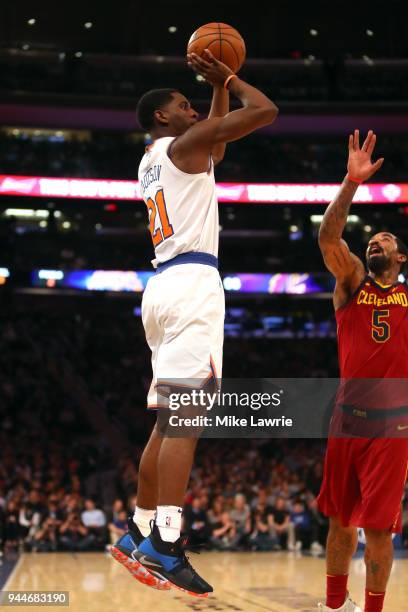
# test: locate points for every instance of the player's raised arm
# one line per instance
(257, 111)
(346, 267)
(219, 108)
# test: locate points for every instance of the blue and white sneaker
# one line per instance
(125, 550)
(168, 561)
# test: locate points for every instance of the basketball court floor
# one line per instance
(243, 582)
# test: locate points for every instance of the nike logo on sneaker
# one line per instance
(147, 563)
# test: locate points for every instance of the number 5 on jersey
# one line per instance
(380, 326)
(165, 229)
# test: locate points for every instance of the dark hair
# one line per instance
(403, 249)
(150, 102)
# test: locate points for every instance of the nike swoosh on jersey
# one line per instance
(402, 427)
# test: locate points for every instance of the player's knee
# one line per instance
(336, 525)
(343, 536)
(334, 522)
(377, 537)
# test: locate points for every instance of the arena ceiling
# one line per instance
(277, 28)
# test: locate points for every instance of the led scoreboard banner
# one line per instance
(135, 281)
(245, 193)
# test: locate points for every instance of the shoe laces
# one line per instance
(179, 548)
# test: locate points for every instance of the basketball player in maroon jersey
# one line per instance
(364, 477)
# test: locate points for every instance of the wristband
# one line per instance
(228, 79)
(354, 180)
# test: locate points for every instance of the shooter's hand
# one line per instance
(213, 71)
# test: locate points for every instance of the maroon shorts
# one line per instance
(364, 481)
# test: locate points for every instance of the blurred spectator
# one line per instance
(280, 523)
(46, 536)
(215, 511)
(117, 508)
(70, 504)
(261, 536)
(223, 533)
(301, 520)
(12, 531)
(45, 539)
(95, 520)
(118, 526)
(74, 535)
(260, 499)
(241, 515)
(320, 527)
(31, 514)
(196, 522)
(92, 517)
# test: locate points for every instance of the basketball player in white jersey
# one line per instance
(183, 304)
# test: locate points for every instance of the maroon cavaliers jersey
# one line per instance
(367, 453)
(372, 330)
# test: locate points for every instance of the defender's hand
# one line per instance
(213, 71)
(359, 164)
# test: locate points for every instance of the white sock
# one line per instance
(142, 519)
(168, 520)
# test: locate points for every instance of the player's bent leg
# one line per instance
(124, 551)
(139, 525)
(378, 558)
(341, 545)
(163, 552)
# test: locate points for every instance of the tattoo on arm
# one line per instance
(344, 265)
(335, 217)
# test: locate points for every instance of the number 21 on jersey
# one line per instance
(158, 207)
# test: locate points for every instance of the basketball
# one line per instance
(225, 43)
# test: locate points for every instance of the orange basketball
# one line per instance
(225, 43)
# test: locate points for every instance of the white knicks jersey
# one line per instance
(182, 208)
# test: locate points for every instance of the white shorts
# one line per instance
(183, 310)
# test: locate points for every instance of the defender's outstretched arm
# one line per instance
(342, 263)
